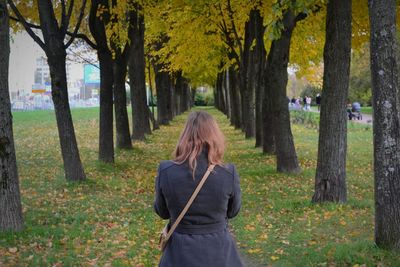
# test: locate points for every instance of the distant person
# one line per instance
(292, 104)
(202, 237)
(298, 105)
(308, 103)
(318, 101)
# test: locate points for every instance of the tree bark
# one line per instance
(56, 56)
(259, 55)
(235, 99)
(172, 93)
(185, 102)
(248, 72)
(268, 139)
(330, 177)
(106, 131)
(163, 96)
(219, 95)
(227, 94)
(137, 79)
(178, 92)
(386, 106)
(121, 114)
(275, 92)
(10, 201)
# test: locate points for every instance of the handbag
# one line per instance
(166, 232)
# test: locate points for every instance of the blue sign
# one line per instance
(91, 74)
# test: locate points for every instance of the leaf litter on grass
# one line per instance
(108, 220)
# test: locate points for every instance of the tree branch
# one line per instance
(78, 24)
(230, 15)
(84, 59)
(83, 37)
(77, 35)
(63, 14)
(66, 17)
(227, 39)
(28, 29)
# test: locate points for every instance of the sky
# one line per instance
(24, 52)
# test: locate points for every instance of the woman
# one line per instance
(202, 237)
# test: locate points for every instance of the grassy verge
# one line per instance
(108, 220)
(366, 110)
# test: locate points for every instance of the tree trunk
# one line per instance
(56, 57)
(178, 92)
(172, 95)
(248, 72)
(220, 101)
(121, 113)
(185, 101)
(268, 140)
(106, 130)
(137, 79)
(275, 91)
(10, 202)
(386, 106)
(235, 99)
(330, 177)
(216, 93)
(259, 112)
(227, 94)
(163, 97)
(151, 112)
(259, 55)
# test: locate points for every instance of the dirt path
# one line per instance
(366, 118)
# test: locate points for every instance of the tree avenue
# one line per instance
(244, 51)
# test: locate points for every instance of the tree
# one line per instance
(386, 105)
(10, 201)
(276, 78)
(137, 79)
(55, 49)
(253, 58)
(97, 25)
(330, 177)
(120, 65)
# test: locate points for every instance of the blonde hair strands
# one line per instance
(201, 132)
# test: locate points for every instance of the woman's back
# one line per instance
(202, 237)
(218, 200)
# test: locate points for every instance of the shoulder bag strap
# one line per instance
(198, 188)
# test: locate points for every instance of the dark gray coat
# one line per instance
(202, 237)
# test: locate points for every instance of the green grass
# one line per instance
(109, 218)
(366, 110)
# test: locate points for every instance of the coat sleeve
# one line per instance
(160, 205)
(235, 198)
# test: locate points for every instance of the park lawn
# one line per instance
(366, 110)
(109, 220)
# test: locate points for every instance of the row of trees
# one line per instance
(258, 98)
(243, 48)
(121, 55)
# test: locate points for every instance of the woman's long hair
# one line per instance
(201, 132)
